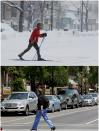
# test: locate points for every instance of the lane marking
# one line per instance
(85, 109)
(92, 121)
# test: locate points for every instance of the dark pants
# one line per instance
(29, 47)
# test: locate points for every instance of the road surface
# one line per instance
(85, 118)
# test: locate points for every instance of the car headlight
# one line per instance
(50, 104)
(2, 104)
(21, 104)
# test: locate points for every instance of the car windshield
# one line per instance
(80, 96)
(49, 97)
(59, 97)
(94, 95)
(69, 92)
(88, 97)
(18, 96)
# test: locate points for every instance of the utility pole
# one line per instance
(52, 79)
(52, 15)
(82, 16)
(21, 17)
(86, 19)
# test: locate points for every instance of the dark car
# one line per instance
(72, 97)
(63, 101)
(66, 29)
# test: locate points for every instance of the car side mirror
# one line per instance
(30, 98)
(67, 99)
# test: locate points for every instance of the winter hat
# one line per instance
(39, 24)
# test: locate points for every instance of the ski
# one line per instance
(36, 60)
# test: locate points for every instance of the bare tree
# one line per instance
(21, 18)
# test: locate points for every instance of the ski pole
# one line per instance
(39, 47)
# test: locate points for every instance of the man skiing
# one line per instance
(43, 104)
(33, 41)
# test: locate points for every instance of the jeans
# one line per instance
(37, 119)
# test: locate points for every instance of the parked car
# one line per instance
(23, 102)
(72, 97)
(63, 101)
(81, 101)
(66, 29)
(95, 96)
(89, 100)
(54, 103)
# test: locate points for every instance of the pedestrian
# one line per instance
(73, 32)
(33, 40)
(43, 104)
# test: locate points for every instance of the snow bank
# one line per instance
(7, 32)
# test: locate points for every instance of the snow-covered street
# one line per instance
(59, 47)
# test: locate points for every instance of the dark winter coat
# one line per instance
(42, 101)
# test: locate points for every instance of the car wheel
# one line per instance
(72, 106)
(53, 109)
(60, 108)
(26, 111)
(77, 105)
(34, 111)
(65, 106)
(82, 104)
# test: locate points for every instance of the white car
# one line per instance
(23, 102)
(89, 100)
(95, 96)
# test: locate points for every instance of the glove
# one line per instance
(44, 34)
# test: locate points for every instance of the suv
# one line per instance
(23, 102)
(72, 97)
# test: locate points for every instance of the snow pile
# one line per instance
(7, 32)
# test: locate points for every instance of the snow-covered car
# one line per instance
(89, 100)
(23, 102)
(6, 31)
(54, 103)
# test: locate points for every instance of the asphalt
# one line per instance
(85, 119)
